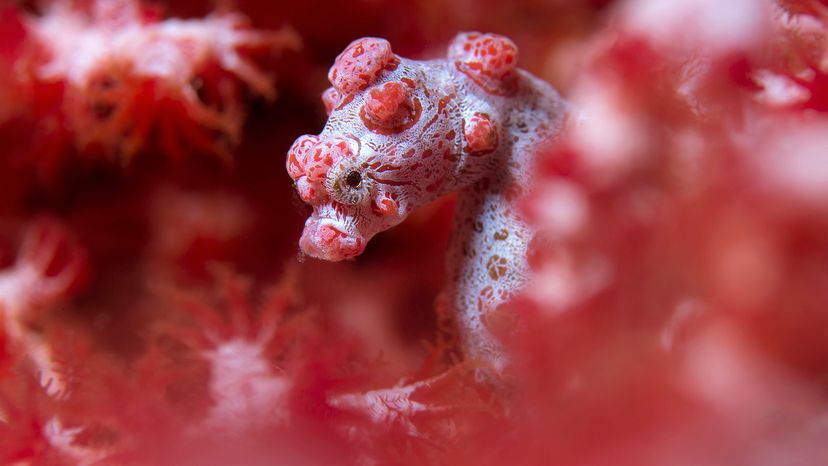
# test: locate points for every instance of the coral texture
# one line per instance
(124, 72)
(48, 268)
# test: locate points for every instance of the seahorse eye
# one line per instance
(348, 183)
(354, 179)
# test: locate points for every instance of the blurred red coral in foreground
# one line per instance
(48, 268)
(678, 309)
(104, 76)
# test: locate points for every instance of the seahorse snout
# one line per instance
(324, 239)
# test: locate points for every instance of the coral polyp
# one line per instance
(127, 73)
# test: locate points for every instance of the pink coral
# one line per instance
(50, 266)
(125, 73)
(241, 344)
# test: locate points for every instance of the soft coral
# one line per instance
(50, 268)
(243, 346)
(121, 73)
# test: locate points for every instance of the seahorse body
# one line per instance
(401, 133)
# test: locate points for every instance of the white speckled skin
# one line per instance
(486, 260)
(470, 123)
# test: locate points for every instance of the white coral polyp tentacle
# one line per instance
(396, 405)
(246, 389)
(249, 392)
(27, 287)
(63, 440)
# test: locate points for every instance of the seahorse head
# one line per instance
(390, 145)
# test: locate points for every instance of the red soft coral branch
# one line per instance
(124, 73)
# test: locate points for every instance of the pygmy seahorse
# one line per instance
(401, 133)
